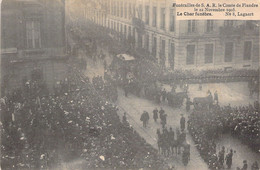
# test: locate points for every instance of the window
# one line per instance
(208, 53)
(125, 32)
(122, 9)
(140, 12)
(191, 25)
(134, 10)
(154, 50)
(171, 54)
(125, 10)
(147, 15)
(140, 41)
(209, 25)
(247, 50)
(190, 54)
(172, 21)
(250, 24)
(162, 18)
(163, 48)
(228, 23)
(129, 31)
(154, 16)
(130, 11)
(117, 11)
(228, 51)
(33, 35)
(147, 42)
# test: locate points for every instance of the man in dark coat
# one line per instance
(164, 93)
(229, 159)
(155, 114)
(144, 118)
(161, 113)
(164, 120)
(182, 123)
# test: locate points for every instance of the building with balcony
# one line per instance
(32, 41)
(180, 44)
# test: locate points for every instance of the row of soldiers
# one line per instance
(156, 114)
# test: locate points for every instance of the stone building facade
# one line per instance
(180, 44)
(32, 40)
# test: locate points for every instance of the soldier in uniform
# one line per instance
(155, 114)
(182, 122)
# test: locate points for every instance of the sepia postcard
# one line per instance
(130, 84)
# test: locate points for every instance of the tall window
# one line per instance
(162, 18)
(163, 48)
(191, 26)
(147, 15)
(190, 54)
(125, 32)
(172, 21)
(125, 9)
(147, 42)
(130, 11)
(140, 12)
(171, 54)
(140, 40)
(162, 53)
(121, 9)
(134, 11)
(33, 34)
(208, 53)
(228, 51)
(247, 50)
(118, 9)
(154, 16)
(154, 50)
(129, 31)
(210, 25)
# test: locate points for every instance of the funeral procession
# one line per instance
(124, 84)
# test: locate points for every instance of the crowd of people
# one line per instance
(206, 126)
(105, 88)
(76, 123)
(212, 75)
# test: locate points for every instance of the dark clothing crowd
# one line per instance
(105, 88)
(206, 126)
(44, 131)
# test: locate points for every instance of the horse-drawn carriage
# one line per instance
(176, 99)
(203, 102)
